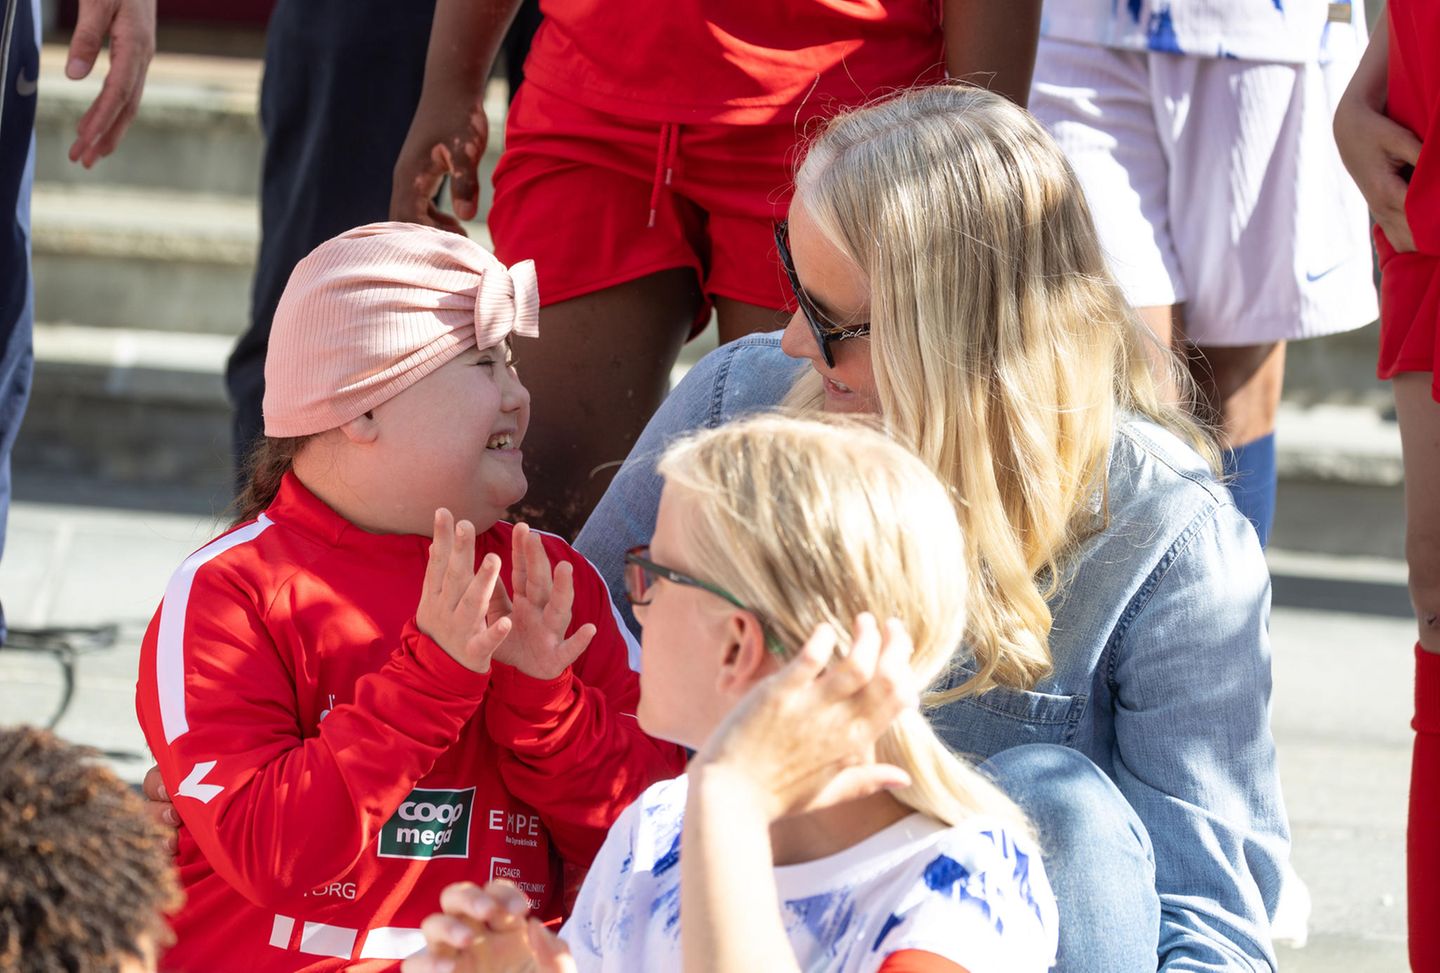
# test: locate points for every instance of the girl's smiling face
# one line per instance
(453, 440)
(841, 291)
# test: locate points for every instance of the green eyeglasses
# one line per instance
(641, 574)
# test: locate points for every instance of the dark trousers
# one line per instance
(342, 79)
(17, 298)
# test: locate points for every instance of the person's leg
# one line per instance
(17, 299)
(738, 318)
(1419, 415)
(333, 125)
(1239, 396)
(596, 374)
(1096, 853)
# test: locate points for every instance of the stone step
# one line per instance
(197, 130)
(147, 258)
(131, 407)
(143, 258)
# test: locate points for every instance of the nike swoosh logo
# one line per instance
(1312, 278)
(25, 87)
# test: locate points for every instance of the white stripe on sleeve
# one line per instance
(170, 642)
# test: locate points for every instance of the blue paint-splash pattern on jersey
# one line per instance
(986, 890)
(1160, 33)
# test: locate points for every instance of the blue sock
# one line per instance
(1250, 474)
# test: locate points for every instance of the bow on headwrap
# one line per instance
(371, 312)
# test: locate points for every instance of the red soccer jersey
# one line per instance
(735, 63)
(335, 769)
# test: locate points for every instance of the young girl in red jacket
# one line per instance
(370, 687)
(1388, 129)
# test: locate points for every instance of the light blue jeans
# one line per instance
(1097, 855)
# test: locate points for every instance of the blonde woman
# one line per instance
(949, 281)
(798, 840)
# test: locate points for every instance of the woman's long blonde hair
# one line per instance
(1003, 351)
(808, 521)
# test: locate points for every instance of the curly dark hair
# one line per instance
(85, 875)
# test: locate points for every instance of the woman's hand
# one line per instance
(456, 609)
(541, 611)
(484, 930)
(804, 737)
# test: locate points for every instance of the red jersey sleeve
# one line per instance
(918, 961)
(574, 749)
(217, 701)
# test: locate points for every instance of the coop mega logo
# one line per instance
(431, 823)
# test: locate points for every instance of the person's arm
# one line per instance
(1193, 749)
(573, 748)
(744, 376)
(755, 768)
(216, 700)
(130, 27)
(991, 43)
(450, 130)
(1373, 147)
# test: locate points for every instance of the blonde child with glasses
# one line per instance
(822, 824)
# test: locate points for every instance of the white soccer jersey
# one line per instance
(972, 894)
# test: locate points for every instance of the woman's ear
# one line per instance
(746, 660)
(362, 429)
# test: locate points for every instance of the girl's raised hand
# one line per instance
(484, 930)
(804, 737)
(455, 605)
(541, 611)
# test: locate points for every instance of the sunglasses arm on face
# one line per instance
(825, 331)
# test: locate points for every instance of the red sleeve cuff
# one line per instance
(441, 672)
(527, 694)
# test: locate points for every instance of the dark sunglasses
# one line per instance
(641, 573)
(824, 330)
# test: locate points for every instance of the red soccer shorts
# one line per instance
(1409, 312)
(597, 200)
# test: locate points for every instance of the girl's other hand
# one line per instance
(804, 737)
(484, 930)
(158, 806)
(541, 611)
(455, 605)
(1376, 150)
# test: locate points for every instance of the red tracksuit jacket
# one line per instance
(335, 769)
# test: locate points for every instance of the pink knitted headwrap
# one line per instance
(371, 312)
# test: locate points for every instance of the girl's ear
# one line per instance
(746, 660)
(362, 429)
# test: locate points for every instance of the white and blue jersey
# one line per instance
(973, 894)
(1291, 31)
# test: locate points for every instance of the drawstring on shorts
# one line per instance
(666, 152)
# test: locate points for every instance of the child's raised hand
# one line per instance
(455, 605)
(541, 613)
(484, 930)
(804, 737)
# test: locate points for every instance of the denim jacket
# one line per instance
(1161, 660)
